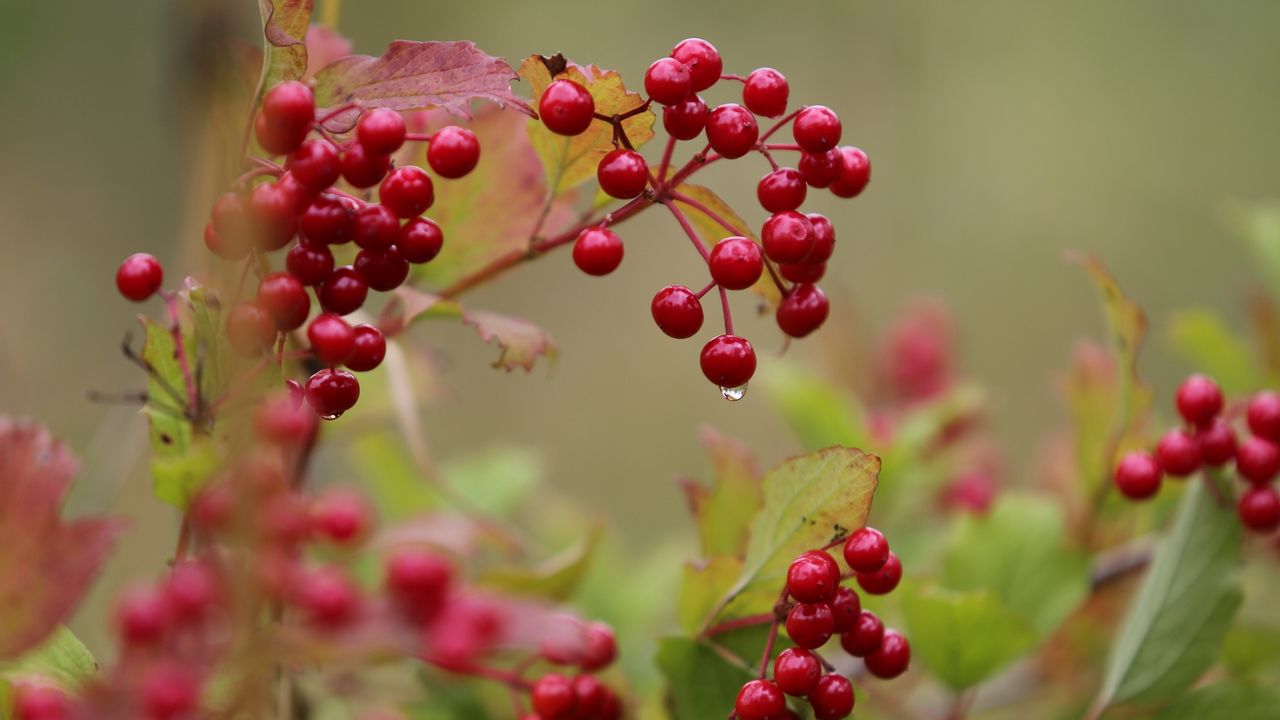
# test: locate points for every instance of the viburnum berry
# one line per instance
(588, 696)
(553, 697)
(816, 129)
(787, 237)
(802, 272)
(285, 299)
(824, 239)
(420, 240)
(735, 263)
(1259, 509)
(381, 131)
(277, 139)
(866, 550)
(802, 311)
(855, 173)
(1138, 476)
(369, 349)
(813, 577)
(418, 581)
(383, 270)
(667, 81)
(275, 215)
(169, 691)
(600, 647)
(728, 361)
(1178, 453)
(832, 699)
(344, 292)
(623, 174)
(302, 195)
(884, 580)
(892, 657)
(1199, 400)
(327, 221)
(221, 246)
(453, 152)
(796, 671)
(846, 607)
(566, 108)
(339, 516)
(362, 167)
(290, 103)
(315, 164)
(191, 590)
(703, 61)
(782, 189)
(766, 92)
(597, 251)
(822, 169)
(407, 191)
(375, 227)
(1264, 415)
(142, 617)
(250, 329)
(332, 392)
(331, 338)
(1217, 442)
(283, 421)
(40, 702)
(328, 597)
(686, 119)
(732, 130)
(865, 635)
(759, 700)
(310, 263)
(1258, 460)
(230, 216)
(810, 625)
(677, 310)
(139, 277)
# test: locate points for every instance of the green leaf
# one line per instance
(1176, 625)
(1018, 551)
(1208, 345)
(701, 588)
(964, 638)
(702, 682)
(1260, 226)
(1225, 700)
(1250, 649)
(819, 413)
(556, 579)
(284, 50)
(712, 232)
(496, 480)
(61, 659)
(723, 511)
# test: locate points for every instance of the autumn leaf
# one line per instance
(284, 27)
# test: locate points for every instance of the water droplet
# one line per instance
(334, 416)
(734, 394)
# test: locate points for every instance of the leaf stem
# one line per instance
(780, 124)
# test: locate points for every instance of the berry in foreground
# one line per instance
(597, 251)
(796, 671)
(1138, 476)
(677, 310)
(813, 577)
(732, 130)
(623, 174)
(759, 700)
(816, 129)
(865, 636)
(332, 392)
(728, 361)
(803, 310)
(736, 263)
(884, 580)
(453, 152)
(566, 108)
(139, 277)
(892, 658)
(855, 173)
(866, 550)
(667, 81)
(832, 699)
(703, 61)
(766, 92)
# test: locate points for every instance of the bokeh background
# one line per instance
(1002, 134)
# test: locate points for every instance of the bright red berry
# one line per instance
(667, 81)
(813, 577)
(736, 263)
(418, 581)
(290, 103)
(1138, 476)
(1178, 453)
(732, 130)
(274, 210)
(362, 167)
(310, 264)
(766, 92)
(1259, 509)
(343, 292)
(822, 169)
(139, 277)
(855, 173)
(816, 129)
(866, 550)
(327, 221)
(315, 164)
(686, 119)
(553, 697)
(824, 239)
(369, 349)
(453, 152)
(421, 239)
(892, 658)
(383, 270)
(1264, 415)
(1258, 460)
(597, 251)
(703, 61)
(623, 174)
(796, 671)
(1217, 442)
(802, 272)
(375, 227)
(802, 311)
(331, 338)
(250, 329)
(832, 699)
(846, 607)
(677, 310)
(884, 580)
(600, 647)
(728, 361)
(865, 635)
(787, 237)
(1199, 400)
(810, 625)
(143, 616)
(407, 191)
(759, 700)
(782, 189)
(285, 299)
(588, 696)
(381, 131)
(566, 108)
(332, 392)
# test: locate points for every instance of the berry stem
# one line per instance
(180, 351)
(782, 288)
(729, 76)
(666, 159)
(768, 648)
(768, 156)
(779, 125)
(696, 205)
(706, 289)
(728, 315)
(335, 112)
(418, 137)
(688, 230)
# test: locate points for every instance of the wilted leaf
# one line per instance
(701, 681)
(1236, 701)
(48, 563)
(723, 511)
(713, 232)
(1208, 345)
(284, 24)
(964, 638)
(520, 342)
(556, 579)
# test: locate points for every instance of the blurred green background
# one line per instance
(1001, 133)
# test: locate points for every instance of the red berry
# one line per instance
(169, 691)
(216, 245)
(327, 221)
(363, 168)
(277, 139)
(274, 210)
(230, 216)
(803, 272)
(787, 237)
(802, 311)
(332, 392)
(381, 131)
(865, 636)
(1258, 460)
(1217, 442)
(822, 169)
(686, 119)
(383, 270)
(667, 81)
(892, 658)
(703, 61)
(285, 299)
(884, 580)
(597, 251)
(728, 361)
(810, 625)
(732, 130)
(782, 189)
(332, 339)
(290, 103)
(310, 264)
(866, 550)
(588, 696)
(250, 329)
(139, 277)
(191, 589)
(847, 608)
(566, 108)
(832, 699)
(1264, 415)
(1138, 476)
(369, 349)
(824, 239)
(553, 697)
(375, 227)
(315, 164)
(816, 129)
(759, 700)
(736, 263)
(329, 598)
(1178, 453)
(407, 191)
(766, 92)
(813, 577)
(601, 647)
(40, 702)
(418, 580)
(420, 240)
(796, 671)
(1199, 400)
(677, 311)
(453, 152)
(1259, 509)
(340, 516)
(142, 617)
(282, 420)
(855, 173)
(623, 174)
(344, 292)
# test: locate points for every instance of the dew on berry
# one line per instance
(734, 394)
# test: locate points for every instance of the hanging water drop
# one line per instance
(333, 416)
(734, 394)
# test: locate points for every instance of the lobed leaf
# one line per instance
(964, 638)
(284, 30)
(712, 231)
(701, 588)
(723, 511)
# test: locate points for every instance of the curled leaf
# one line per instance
(284, 27)
(519, 341)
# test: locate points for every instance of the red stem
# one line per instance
(666, 159)
(779, 125)
(180, 351)
(688, 230)
(335, 113)
(740, 623)
(724, 306)
(696, 205)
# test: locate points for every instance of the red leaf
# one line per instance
(46, 565)
(520, 342)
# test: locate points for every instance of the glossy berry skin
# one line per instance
(139, 277)
(802, 272)
(553, 697)
(832, 699)
(380, 131)
(1264, 415)
(813, 577)
(332, 392)
(274, 211)
(1138, 476)
(822, 169)
(420, 240)
(810, 625)
(728, 361)
(1259, 509)
(566, 108)
(884, 580)
(1178, 453)
(686, 119)
(327, 221)
(290, 103)
(892, 658)
(383, 270)
(703, 61)
(250, 329)
(40, 702)
(766, 92)
(1258, 460)
(600, 647)
(796, 671)
(732, 130)
(677, 310)
(315, 164)
(407, 191)
(759, 700)
(864, 637)
(866, 550)
(453, 152)
(787, 237)
(816, 129)
(597, 251)
(332, 339)
(310, 264)
(344, 292)
(855, 173)
(782, 189)
(1217, 442)
(142, 617)
(736, 263)
(285, 299)
(667, 81)
(418, 581)
(368, 349)
(623, 174)
(802, 311)
(846, 607)
(375, 227)
(362, 167)
(1199, 400)
(824, 239)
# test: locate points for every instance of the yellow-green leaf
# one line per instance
(1203, 339)
(723, 511)
(964, 638)
(284, 50)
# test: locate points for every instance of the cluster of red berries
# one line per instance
(794, 246)
(823, 609)
(1209, 440)
(582, 697)
(299, 200)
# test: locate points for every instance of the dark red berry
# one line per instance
(453, 152)
(759, 700)
(728, 361)
(677, 310)
(816, 129)
(865, 635)
(623, 174)
(250, 329)
(1199, 400)
(344, 292)
(703, 61)
(566, 108)
(866, 550)
(139, 277)
(1217, 442)
(732, 130)
(331, 338)
(600, 647)
(362, 167)
(420, 240)
(782, 189)
(290, 103)
(369, 349)
(803, 272)
(285, 298)
(588, 695)
(311, 264)
(766, 92)
(315, 164)
(375, 227)
(327, 221)
(813, 577)
(418, 581)
(382, 270)
(855, 173)
(407, 191)
(1258, 460)
(277, 139)
(787, 237)
(802, 311)
(810, 625)
(274, 210)
(824, 239)
(846, 608)
(667, 81)
(332, 392)
(796, 671)
(822, 169)
(832, 699)
(597, 251)
(553, 697)
(1259, 509)
(381, 131)
(686, 119)
(1138, 476)
(736, 263)
(884, 580)
(892, 658)
(142, 617)
(1264, 415)
(1178, 453)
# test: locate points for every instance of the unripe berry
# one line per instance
(368, 350)
(759, 700)
(703, 61)
(453, 152)
(810, 625)
(732, 130)
(686, 119)
(420, 240)
(782, 189)
(677, 310)
(735, 263)
(285, 299)
(1259, 509)
(796, 671)
(1258, 460)
(884, 580)
(855, 173)
(892, 658)
(816, 129)
(407, 191)
(1178, 453)
(1199, 400)
(623, 174)
(787, 237)
(139, 277)
(813, 577)
(363, 168)
(802, 311)
(380, 131)
(250, 329)
(1264, 415)
(1138, 476)
(766, 92)
(728, 361)
(331, 339)
(315, 164)
(597, 251)
(832, 699)
(865, 636)
(667, 81)
(344, 292)
(866, 550)
(566, 108)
